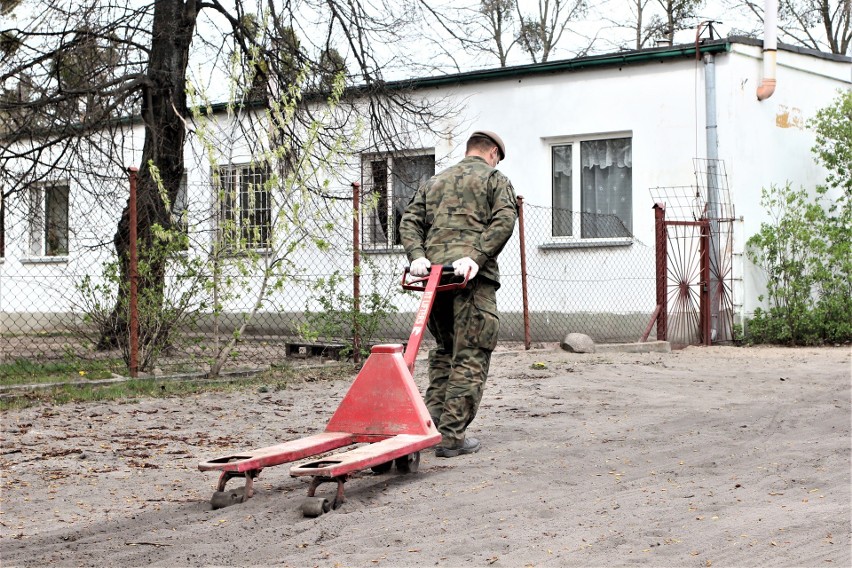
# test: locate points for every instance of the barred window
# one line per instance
(389, 182)
(48, 220)
(598, 201)
(244, 201)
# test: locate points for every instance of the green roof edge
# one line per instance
(606, 60)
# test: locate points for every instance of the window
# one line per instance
(48, 220)
(602, 193)
(244, 207)
(389, 183)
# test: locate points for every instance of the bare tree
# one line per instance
(540, 32)
(824, 25)
(643, 24)
(677, 15)
(643, 28)
(498, 19)
(75, 73)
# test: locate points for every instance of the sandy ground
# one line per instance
(716, 456)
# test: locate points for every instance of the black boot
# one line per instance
(469, 446)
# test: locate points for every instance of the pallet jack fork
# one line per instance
(383, 411)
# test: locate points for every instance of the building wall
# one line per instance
(660, 105)
(767, 142)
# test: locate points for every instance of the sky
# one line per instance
(416, 57)
(610, 39)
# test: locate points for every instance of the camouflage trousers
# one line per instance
(465, 325)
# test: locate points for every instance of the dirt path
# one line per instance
(703, 457)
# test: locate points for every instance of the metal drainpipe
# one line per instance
(712, 189)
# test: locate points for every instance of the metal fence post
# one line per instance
(134, 276)
(526, 306)
(704, 304)
(662, 270)
(356, 271)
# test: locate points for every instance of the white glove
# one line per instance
(420, 266)
(465, 267)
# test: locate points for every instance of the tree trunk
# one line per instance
(164, 107)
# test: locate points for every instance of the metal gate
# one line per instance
(683, 280)
(694, 250)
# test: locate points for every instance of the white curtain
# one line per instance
(562, 222)
(603, 154)
(607, 188)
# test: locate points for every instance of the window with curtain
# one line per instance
(562, 195)
(389, 182)
(600, 200)
(48, 220)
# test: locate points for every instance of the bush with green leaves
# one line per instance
(161, 312)
(806, 248)
(337, 319)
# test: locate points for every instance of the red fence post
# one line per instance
(134, 276)
(704, 294)
(356, 271)
(662, 270)
(527, 339)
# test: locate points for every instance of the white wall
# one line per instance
(767, 142)
(659, 104)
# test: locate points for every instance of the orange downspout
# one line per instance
(770, 50)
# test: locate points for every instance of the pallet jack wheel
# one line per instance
(409, 463)
(223, 499)
(382, 467)
(315, 506)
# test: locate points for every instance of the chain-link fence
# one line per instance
(227, 308)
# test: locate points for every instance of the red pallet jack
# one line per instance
(383, 409)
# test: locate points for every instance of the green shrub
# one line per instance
(338, 320)
(806, 248)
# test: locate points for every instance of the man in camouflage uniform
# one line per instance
(462, 216)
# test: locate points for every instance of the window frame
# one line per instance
(39, 227)
(368, 216)
(236, 243)
(577, 215)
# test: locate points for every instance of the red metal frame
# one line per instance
(662, 311)
(524, 292)
(134, 274)
(382, 408)
(356, 272)
(660, 315)
(429, 285)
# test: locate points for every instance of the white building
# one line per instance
(606, 135)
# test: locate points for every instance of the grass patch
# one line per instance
(23, 372)
(132, 390)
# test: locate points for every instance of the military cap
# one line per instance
(494, 138)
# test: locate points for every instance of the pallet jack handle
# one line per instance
(429, 286)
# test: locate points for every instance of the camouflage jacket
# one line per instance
(469, 209)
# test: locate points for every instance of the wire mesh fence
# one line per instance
(222, 309)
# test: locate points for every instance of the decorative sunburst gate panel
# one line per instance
(694, 244)
(683, 280)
